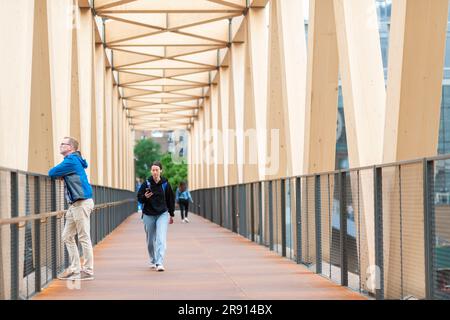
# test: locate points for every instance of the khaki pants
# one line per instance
(78, 223)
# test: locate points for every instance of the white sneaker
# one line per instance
(160, 268)
(152, 266)
(183, 221)
(186, 219)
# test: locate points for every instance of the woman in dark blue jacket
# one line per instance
(159, 205)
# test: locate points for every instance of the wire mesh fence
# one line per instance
(32, 252)
(383, 230)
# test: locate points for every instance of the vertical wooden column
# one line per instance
(278, 147)
(109, 126)
(100, 69)
(362, 82)
(85, 39)
(256, 92)
(74, 119)
(61, 25)
(40, 152)
(131, 157)
(16, 56)
(220, 180)
(231, 128)
(201, 150)
(224, 98)
(191, 152)
(195, 156)
(118, 139)
(207, 142)
(120, 143)
(114, 129)
(128, 156)
(124, 146)
(237, 100)
(416, 64)
(189, 159)
(287, 87)
(321, 89)
(94, 127)
(215, 119)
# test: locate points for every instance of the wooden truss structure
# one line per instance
(167, 54)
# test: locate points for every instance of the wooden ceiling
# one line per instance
(166, 53)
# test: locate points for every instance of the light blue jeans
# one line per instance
(156, 230)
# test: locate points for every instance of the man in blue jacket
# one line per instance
(79, 196)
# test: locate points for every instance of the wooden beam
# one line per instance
(40, 152)
(256, 93)
(322, 89)
(416, 65)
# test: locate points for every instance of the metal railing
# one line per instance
(32, 210)
(382, 230)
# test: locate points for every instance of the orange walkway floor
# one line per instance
(203, 262)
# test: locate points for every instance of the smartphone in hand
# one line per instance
(148, 190)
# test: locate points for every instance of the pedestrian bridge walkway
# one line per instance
(203, 261)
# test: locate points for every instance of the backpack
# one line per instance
(164, 186)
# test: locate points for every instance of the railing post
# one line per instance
(66, 253)
(226, 217)
(221, 202)
(283, 218)
(260, 209)
(203, 195)
(270, 216)
(37, 235)
(242, 205)
(298, 214)
(232, 221)
(211, 205)
(204, 203)
(209, 199)
(252, 212)
(53, 230)
(14, 237)
(378, 214)
(215, 205)
(318, 224)
(207, 205)
(429, 227)
(343, 229)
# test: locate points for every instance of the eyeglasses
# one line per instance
(65, 144)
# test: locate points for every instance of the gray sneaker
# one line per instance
(86, 276)
(69, 275)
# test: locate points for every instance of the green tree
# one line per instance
(146, 152)
(174, 172)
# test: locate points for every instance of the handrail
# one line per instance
(368, 167)
(34, 174)
(44, 216)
